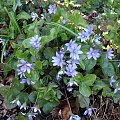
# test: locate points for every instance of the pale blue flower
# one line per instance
(63, 21)
(30, 116)
(52, 9)
(29, 82)
(24, 66)
(35, 42)
(1, 41)
(20, 73)
(109, 53)
(19, 3)
(70, 44)
(89, 31)
(58, 60)
(97, 38)
(75, 51)
(93, 54)
(73, 62)
(6, 53)
(112, 80)
(89, 111)
(71, 70)
(83, 36)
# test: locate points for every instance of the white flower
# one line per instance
(34, 16)
(71, 83)
(35, 109)
(74, 117)
(117, 88)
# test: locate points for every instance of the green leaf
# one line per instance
(84, 90)
(82, 65)
(78, 78)
(89, 79)
(83, 101)
(26, 43)
(50, 37)
(77, 19)
(49, 106)
(48, 53)
(23, 15)
(99, 84)
(89, 64)
(38, 65)
(33, 96)
(107, 67)
(109, 70)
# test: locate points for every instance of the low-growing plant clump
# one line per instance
(60, 60)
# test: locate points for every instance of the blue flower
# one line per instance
(24, 66)
(19, 3)
(29, 82)
(89, 31)
(97, 38)
(83, 36)
(71, 70)
(93, 54)
(35, 42)
(30, 116)
(63, 21)
(20, 73)
(109, 53)
(52, 9)
(89, 111)
(75, 51)
(58, 60)
(70, 44)
(73, 62)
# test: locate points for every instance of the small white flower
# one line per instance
(17, 102)
(35, 109)
(74, 117)
(117, 88)
(34, 16)
(23, 106)
(71, 83)
(119, 65)
(42, 16)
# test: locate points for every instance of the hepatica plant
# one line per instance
(55, 53)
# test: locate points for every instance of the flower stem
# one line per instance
(65, 28)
